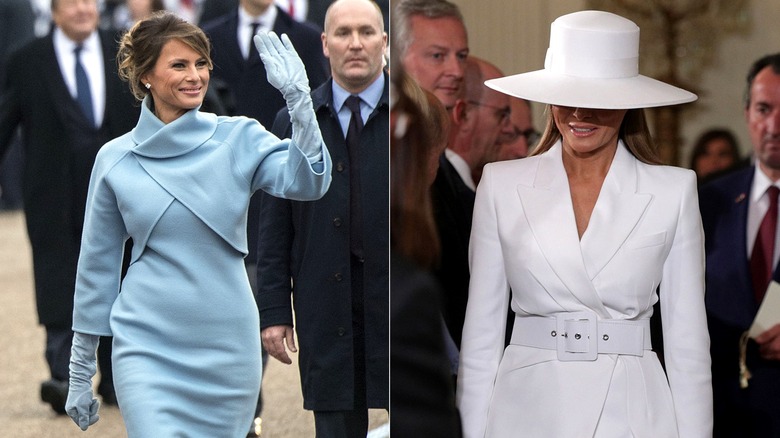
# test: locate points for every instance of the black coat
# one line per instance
(422, 390)
(453, 204)
(308, 242)
(59, 147)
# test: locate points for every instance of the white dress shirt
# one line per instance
(462, 167)
(245, 21)
(759, 204)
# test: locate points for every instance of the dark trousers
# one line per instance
(354, 423)
(11, 176)
(58, 343)
(341, 424)
(251, 272)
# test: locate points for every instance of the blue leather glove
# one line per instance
(81, 405)
(287, 73)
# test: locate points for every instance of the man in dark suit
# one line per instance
(238, 65)
(333, 254)
(478, 120)
(17, 24)
(238, 68)
(60, 138)
(733, 209)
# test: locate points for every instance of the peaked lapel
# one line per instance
(548, 209)
(617, 211)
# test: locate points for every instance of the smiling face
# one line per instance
(178, 80)
(436, 57)
(354, 43)
(587, 132)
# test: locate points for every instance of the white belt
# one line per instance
(582, 335)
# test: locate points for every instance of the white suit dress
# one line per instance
(645, 231)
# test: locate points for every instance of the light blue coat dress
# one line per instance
(186, 333)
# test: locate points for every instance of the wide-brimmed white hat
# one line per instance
(592, 62)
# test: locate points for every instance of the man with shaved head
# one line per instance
(332, 254)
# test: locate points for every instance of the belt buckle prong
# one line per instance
(590, 336)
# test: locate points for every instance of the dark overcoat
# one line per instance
(303, 248)
(59, 146)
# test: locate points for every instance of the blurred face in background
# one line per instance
(717, 156)
(256, 7)
(77, 18)
(522, 134)
(491, 125)
(436, 57)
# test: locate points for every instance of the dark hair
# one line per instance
(760, 64)
(633, 131)
(140, 47)
(405, 9)
(700, 147)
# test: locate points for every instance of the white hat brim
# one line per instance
(601, 93)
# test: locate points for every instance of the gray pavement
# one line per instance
(22, 366)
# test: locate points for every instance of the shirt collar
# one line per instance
(65, 44)
(370, 96)
(761, 183)
(265, 19)
(462, 167)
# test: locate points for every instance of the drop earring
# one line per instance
(148, 85)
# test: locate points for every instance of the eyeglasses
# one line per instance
(531, 136)
(502, 113)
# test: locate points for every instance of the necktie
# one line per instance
(763, 250)
(355, 207)
(83, 93)
(252, 53)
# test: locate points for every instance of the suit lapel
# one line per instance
(57, 87)
(616, 213)
(548, 209)
(230, 32)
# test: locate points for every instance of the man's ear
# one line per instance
(460, 112)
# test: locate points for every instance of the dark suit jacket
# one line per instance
(309, 242)
(421, 389)
(18, 21)
(731, 309)
(453, 205)
(59, 149)
(251, 94)
(254, 96)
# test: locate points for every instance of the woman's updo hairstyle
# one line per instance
(140, 47)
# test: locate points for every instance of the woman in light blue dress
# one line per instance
(186, 334)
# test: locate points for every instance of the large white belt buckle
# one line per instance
(577, 336)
